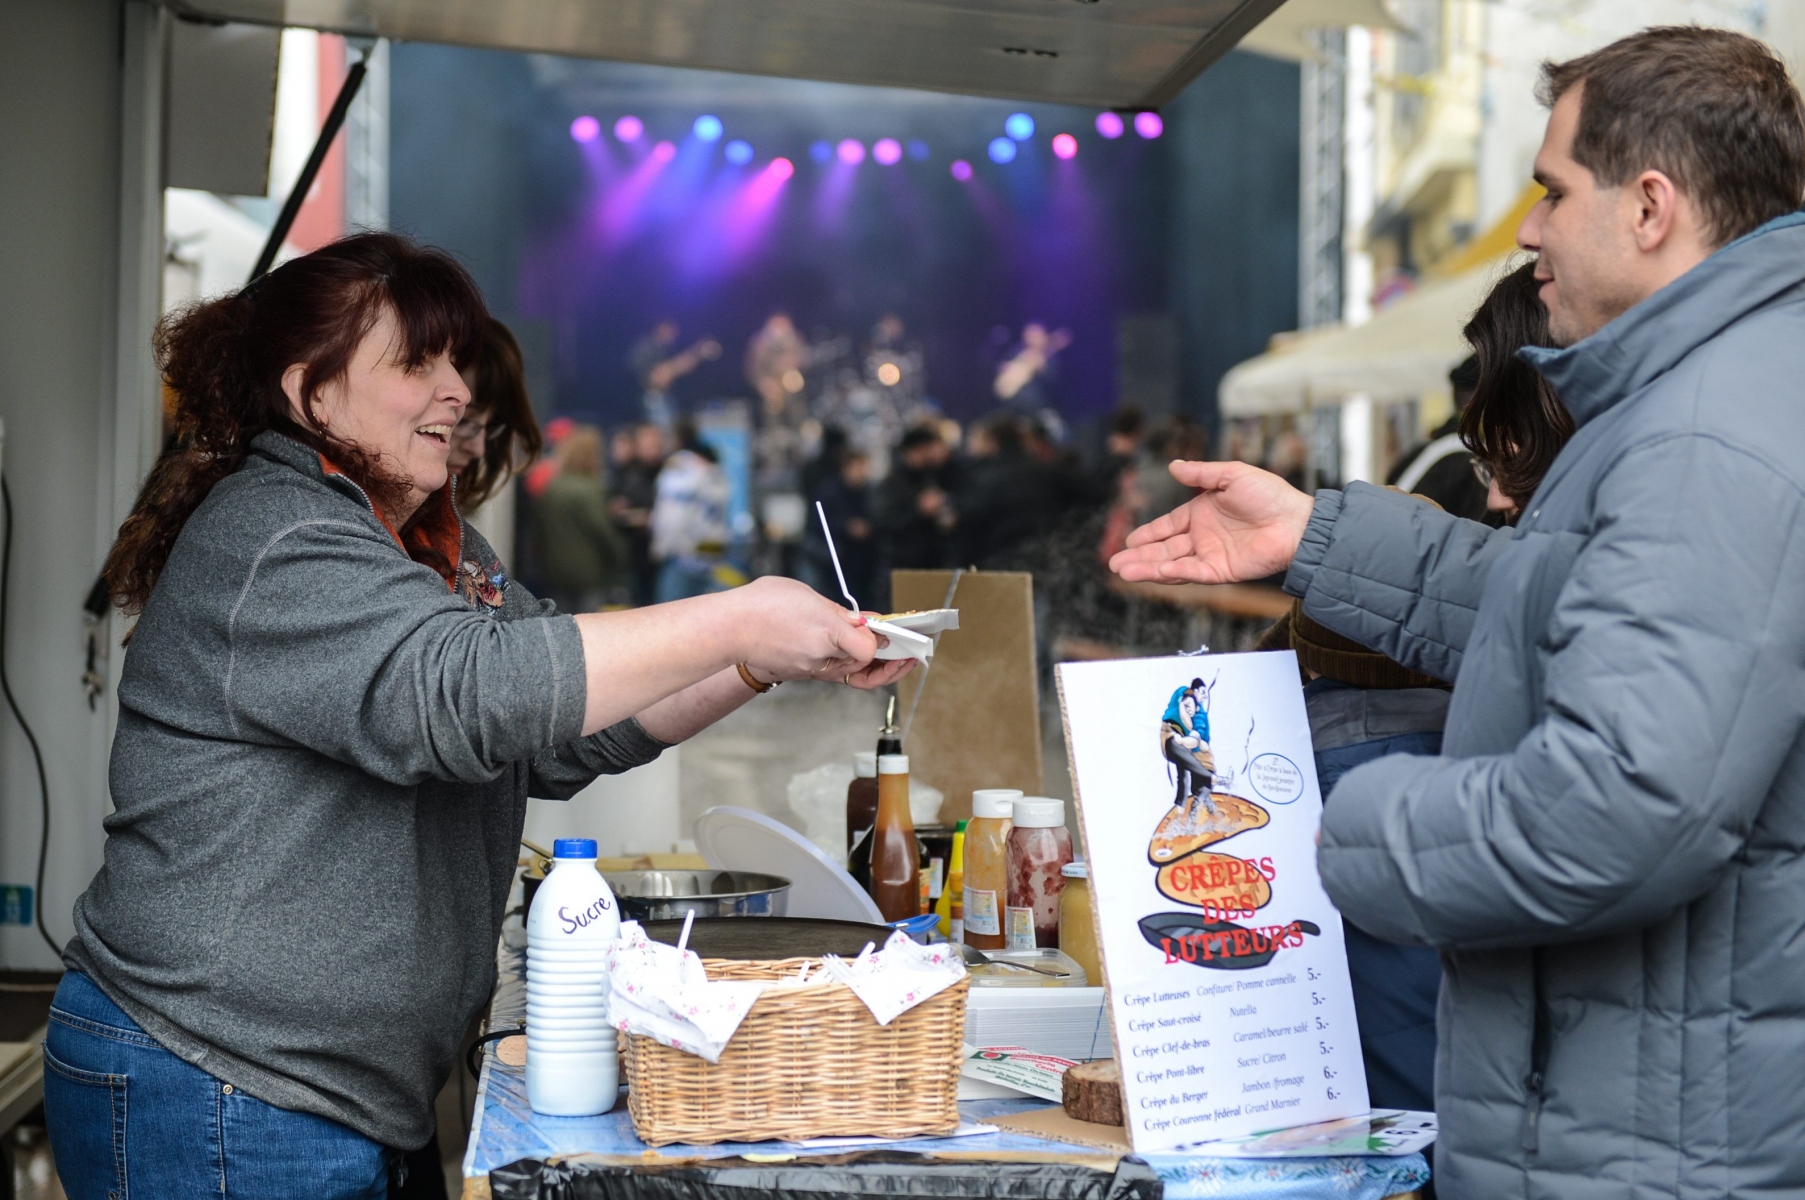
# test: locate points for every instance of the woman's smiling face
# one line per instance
(404, 417)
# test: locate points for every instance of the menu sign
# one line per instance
(1226, 972)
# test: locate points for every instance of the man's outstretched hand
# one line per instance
(1246, 525)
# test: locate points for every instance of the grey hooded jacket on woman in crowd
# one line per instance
(1611, 851)
(320, 778)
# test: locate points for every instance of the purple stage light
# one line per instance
(781, 169)
(1148, 124)
(1002, 150)
(851, 152)
(738, 152)
(961, 170)
(887, 151)
(585, 129)
(629, 129)
(1110, 125)
(918, 150)
(664, 151)
(821, 152)
(1065, 145)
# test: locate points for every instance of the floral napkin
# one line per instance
(895, 979)
(663, 993)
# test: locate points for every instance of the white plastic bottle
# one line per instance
(572, 1063)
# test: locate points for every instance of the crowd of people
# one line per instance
(640, 514)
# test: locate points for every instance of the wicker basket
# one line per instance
(806, 1062)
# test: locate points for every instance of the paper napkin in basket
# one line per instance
(898, 977)
(663, 993)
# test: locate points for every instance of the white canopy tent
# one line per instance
(1404, 352)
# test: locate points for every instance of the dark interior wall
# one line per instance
(1235, 142)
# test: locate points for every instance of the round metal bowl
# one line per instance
(670, 895)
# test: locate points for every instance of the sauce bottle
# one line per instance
(861, 799)
(895, 855)
(1039, 848)
(986, 868)
(950, 908)
(1078, 925)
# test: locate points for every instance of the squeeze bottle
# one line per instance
(986, 866)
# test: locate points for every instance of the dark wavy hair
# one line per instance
(223, 362)
(498, 387)
(1514, 423)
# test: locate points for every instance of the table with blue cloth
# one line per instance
(515, 1152)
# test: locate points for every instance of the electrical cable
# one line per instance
(6, 573)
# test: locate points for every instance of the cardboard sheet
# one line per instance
(1055, 1126)
(978, 723)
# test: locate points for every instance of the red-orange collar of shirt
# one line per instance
(433, 538)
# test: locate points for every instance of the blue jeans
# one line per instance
(128, 1120)
(1395, 987)
(679, 580)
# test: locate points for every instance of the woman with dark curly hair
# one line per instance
(334, 707)
(1514, 424)
(498, 435)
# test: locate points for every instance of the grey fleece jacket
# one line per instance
(1611, 852)
(320, 778)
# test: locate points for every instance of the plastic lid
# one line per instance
(864, 763)
(960, 827)
(892, 764)
(1075, 870)
(1039, 812)
(573, 848)
(994, 802)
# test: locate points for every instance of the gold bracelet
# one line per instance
(753, 682)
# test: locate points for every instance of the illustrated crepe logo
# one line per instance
(1217, 889)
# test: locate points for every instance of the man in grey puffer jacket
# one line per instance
(1611, 851)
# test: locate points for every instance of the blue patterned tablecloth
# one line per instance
(505, 1129)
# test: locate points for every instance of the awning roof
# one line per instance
(1404, 352)
(1115, 54)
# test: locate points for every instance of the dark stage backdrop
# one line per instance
(584, 245)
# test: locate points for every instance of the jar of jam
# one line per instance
(1078, 925)
(1039, 848)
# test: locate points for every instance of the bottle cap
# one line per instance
(864, 764)
(1039, 812)
(960, 827)
(892, 764)
(573, 848)
(992, 803)
(1075, 870)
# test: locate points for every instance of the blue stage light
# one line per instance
(918, 150)
(738, 153)
(1002, 150)
(821, 152)
(1019, 126)
(708, 128)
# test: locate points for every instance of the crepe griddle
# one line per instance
(744, 938)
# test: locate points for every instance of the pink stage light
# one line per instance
(887, 151)
(961, 170)
(1110, 125)
(851, 152)
(1065, 145)
(781, 168)
(585, 129)
(1148, 124)
(629, 129)
(664, 151)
